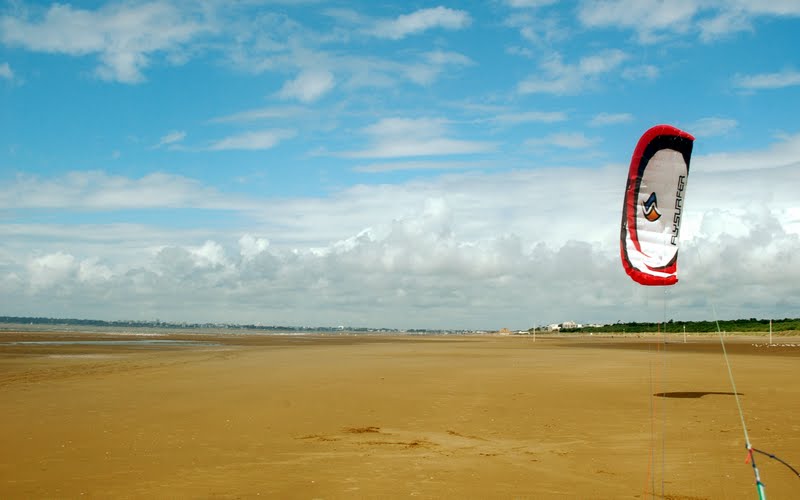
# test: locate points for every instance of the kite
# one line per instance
(650, 231)
(654, 198)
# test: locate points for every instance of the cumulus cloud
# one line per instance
(464, 249)
(210, 254)
(49, 269)
(421, 20)
(91, 271)
(428, 260)
(251, 246)
(417, 261)
(124, 36)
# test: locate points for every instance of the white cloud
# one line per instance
(567, 140)
(90, 271)
(123, 36)
(49, 269)
(643, 72)
(172, 137)
(97, 190)
(433, 64)
(279, 44)
(419, 165)
(712, 126)
(764, 81)
(6, 72)
(520, 51)
(655, 20)
(266, 113)
(404, 137)
(541, 28)
(421, 20)
(738, 15)
(651, 19)
(603, 119)
(601, 63)
(210, 254)
(565, 79)
(520, 4)
(309, 86)
(251, 246)
(418, 257)
(782, 154)
(254, 140)
(458, 250)
(724, 23)
(530, 117)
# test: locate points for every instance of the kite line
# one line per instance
(750, 458)
(770, 455)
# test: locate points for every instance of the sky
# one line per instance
(390, 164)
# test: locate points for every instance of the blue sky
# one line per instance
(402, 165)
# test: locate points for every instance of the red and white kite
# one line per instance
(654, 198)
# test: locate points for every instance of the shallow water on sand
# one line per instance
(143, 342)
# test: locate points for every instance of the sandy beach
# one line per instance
(246, 416)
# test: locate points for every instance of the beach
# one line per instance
(392, 416)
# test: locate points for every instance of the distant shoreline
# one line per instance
(156, 331)
(756, 327)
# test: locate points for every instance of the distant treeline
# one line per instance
(736, 325)
(23, 320)
(151, 324)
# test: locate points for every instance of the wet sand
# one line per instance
(248, 416)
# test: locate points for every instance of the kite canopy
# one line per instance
(654, 197)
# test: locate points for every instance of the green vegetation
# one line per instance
(751, 325)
